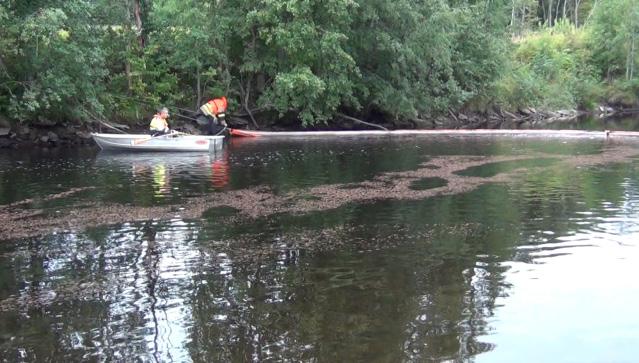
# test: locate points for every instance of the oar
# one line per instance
(141, 141)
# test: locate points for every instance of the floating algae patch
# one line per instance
(428, 183)
(351, 186)
(492, 169)
(219, 212)
(430, 166)
(462, 173)
(306, 197)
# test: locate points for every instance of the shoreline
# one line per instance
(528, 121)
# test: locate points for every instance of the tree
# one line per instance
(298, 47)
(44, 50)
(428, 56)
(615, 28)
(189, 37)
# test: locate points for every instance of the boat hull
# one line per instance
(171, 143)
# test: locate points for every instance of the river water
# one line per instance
(490, 249)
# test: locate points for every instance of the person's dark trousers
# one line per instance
(214, 127)
(155, 133)
(209, 125)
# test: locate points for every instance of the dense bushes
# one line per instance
(51, 65)
(550, 69)
(564, 66)
(307, 61)
(292, 59)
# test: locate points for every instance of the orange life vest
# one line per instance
(214, 107)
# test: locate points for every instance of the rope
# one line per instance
(221, 131)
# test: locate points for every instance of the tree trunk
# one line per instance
(198, 86)
(137, 13)
(630, 63)
(127, 64)
(129, 78)
(246, 102)
(577, 2)
(245, 94)
(3, 68)
(260, 83)
(592, 10)
(512, 18)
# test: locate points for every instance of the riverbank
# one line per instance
(44, 135)
(49, 134)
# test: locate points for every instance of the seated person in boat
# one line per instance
(159, 125)
(212, 115)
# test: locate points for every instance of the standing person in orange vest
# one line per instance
(213, 115)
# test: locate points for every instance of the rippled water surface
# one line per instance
(371, 249)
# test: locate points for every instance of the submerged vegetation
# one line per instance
(308, 62)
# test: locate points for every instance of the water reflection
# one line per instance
(581, 277)
(157, 177)
(615, 123)
(445, 278)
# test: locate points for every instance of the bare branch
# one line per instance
(360, 121)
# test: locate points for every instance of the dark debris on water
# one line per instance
(18, 221)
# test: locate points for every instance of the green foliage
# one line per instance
(300, 47)
(623, 92)
(519, 88)
(615, 38)
(550, 69)
(565, 66)
(54, 65)
(80, 60)
(428, 55)
(197, 53)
